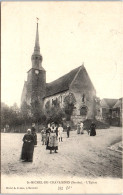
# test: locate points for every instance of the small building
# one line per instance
(118, 110)
(111, 111)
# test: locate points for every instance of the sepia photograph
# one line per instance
(61, 97)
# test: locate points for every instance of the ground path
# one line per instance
(78, 156)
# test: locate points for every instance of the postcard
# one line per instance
(61, 97)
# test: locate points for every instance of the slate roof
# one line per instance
(110, 102)
(61, 84)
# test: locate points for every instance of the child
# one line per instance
(43, 132)
(60, 131)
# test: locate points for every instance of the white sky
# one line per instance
(70, 33)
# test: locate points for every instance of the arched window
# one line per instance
(83, 111)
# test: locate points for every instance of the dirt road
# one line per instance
(78, 156)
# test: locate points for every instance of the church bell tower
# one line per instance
(36, 80)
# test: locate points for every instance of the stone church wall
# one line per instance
(88, 104)
(85, 94)
(59, 96)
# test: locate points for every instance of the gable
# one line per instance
(110, 102)
(104, 104)
(118, 103)
(82, 81)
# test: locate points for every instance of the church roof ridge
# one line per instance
(62, 83)
(111, 98)
(65, 74)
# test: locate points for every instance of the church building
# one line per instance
(75, 85)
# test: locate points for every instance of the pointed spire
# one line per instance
(37, 47)
(36, 56)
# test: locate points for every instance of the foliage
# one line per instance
(9, 115)
(47, 107)
(69, 102)
(99, 124)
(96, 106)
(54, 113)
(25, 112)
(37, 112)
(13, 116)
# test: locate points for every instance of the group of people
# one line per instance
(91, 131)
(50, 137)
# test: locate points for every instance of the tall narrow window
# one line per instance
(83, 98)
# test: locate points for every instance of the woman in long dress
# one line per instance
(53, 139)
(48, 130)
(92, 129)
(68, 130)
(28, 147)
(78, 128)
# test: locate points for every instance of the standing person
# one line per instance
(56, 129)
(78, 128)
(92, 129)
(28, 147)
(53, 139)
(68, 130)
(60, 131)
(33, 130)
(81, 128)
(43, 133)
(48, 130)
